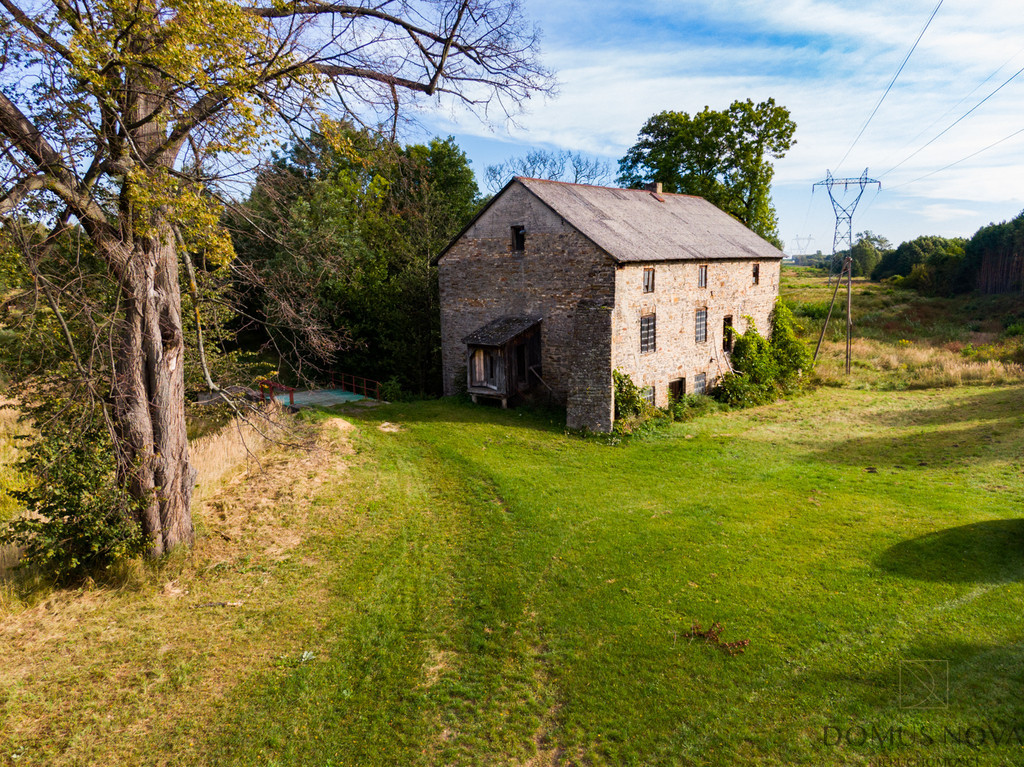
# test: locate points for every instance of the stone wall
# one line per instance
(676, 298)
(482, 278)
(591, 401)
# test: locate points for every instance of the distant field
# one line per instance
(904, 340)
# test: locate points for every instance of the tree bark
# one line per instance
(149, 396)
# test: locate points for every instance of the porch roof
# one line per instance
(500, 331)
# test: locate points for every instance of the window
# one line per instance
(727, 334)
(648, 280)
(700, 383)
(518, 238)
(701, 333)
(702, 276)
(757, 274)
(677, 389)
(648, 395)
(648, 342)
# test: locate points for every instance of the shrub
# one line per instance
(391, 390)
(691, 406)
(791, 355)
(629, 398)
(79, 520)
(1015, 329)
(764, 368)
(738, 390)
(634, 415)
(753, 357)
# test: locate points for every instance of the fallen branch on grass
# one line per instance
(713, 636)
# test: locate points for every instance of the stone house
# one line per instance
(553, 286)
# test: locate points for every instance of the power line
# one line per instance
(964, 98)
(962, 159)
(891, 83)
(954, 123)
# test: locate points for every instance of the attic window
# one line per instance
(702, 276)
(648, 280)
(518, 238)
(757, 274)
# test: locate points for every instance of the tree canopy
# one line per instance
(723, 156)
(126, 122)
(994, 257)
(334, 252)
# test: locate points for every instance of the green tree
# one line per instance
(929, 264)
(724, 157)
(336, 249)
(994, 258)
(867, 252)
(120, 116)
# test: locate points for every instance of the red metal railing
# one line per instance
(267, 388)
(356, 384)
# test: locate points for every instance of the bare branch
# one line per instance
(44, 37)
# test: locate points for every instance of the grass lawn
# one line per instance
(480, 588)
(446, 584)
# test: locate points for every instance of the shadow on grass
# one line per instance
(1005, 403)
(538, 416)
(985, 552)
(936, 449)
(947, 683)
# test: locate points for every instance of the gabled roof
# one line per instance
(500, 331)
(635, 225)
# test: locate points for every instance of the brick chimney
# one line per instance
(654, 187)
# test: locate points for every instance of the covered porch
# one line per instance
(503, 358)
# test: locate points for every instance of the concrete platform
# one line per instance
(320, 398)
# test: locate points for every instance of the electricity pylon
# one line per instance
(844, 231)
(802, 243)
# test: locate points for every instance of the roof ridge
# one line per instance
(599, 186)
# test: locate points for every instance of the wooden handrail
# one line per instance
(266, 384)
(356, 384)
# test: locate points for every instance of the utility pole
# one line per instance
(844, 231)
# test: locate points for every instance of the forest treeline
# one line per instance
(992, 261)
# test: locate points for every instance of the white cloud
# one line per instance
(828, 62)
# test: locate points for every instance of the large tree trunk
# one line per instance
(149, 396)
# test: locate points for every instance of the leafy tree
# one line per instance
(345, 240)
(929, 264)
(994, 258)
(119, 119)
(574, 167)
(721, 156)
(867, 253)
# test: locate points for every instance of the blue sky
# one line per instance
(618, 63)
